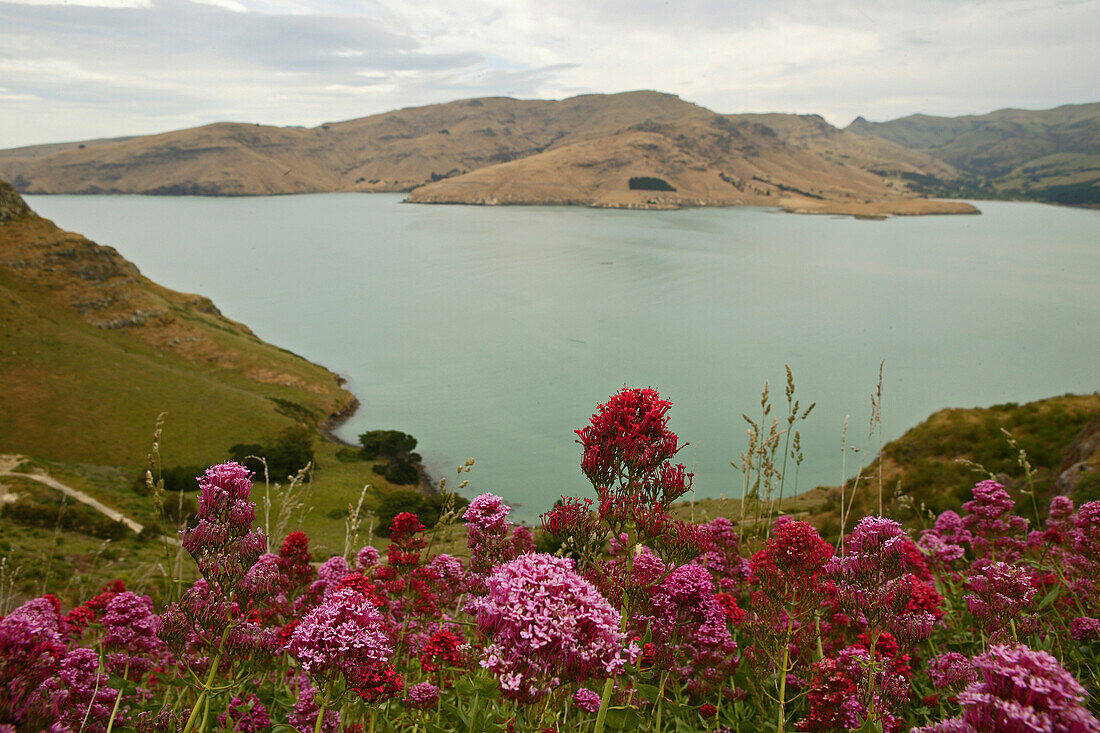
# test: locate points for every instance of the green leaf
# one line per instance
(1049, 597)
(649, 692)
(486, 686)
(623, 718)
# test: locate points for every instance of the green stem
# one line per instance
(782, 722)
(473, 711)
(872, 714)
(661, 700)
(324, 705)
(190, 726)
(205, 714)
(118, 700)
(605, 701)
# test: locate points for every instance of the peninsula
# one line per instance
(632, 150)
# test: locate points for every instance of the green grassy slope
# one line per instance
(1047, 155)
(91, 352)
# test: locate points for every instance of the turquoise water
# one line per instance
(494, 332)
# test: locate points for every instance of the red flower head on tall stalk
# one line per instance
(627, 448)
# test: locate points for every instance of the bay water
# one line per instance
(493, 332)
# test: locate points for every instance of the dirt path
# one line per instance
(9, 462)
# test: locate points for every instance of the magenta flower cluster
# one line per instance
(223, 543)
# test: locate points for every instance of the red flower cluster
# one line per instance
(405, 540)
(442, 650)
(378, 686)
(627, 446)
(295, 559)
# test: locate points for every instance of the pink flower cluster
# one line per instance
(344, 634)
(546, 625)
(1019, 689)
(223, 543)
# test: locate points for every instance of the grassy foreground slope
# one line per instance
(91, 351)
(1045, 155)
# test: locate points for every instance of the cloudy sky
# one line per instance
(79, 69)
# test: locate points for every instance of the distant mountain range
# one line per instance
(637, 149)
(1050, 155)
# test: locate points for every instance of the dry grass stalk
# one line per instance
(352, 522)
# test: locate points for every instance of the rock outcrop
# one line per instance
(12, 205)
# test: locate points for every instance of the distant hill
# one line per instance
(583, 150)
(1049, 155)
(91, 351)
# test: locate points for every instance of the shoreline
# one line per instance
(327, 428)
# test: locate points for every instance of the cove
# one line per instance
(493, 332)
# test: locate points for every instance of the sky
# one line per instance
(82, 69)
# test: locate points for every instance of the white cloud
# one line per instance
(144, 64)
(88, 3)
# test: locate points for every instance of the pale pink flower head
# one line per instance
(949, 526)
(586, 700)
(421, 696)
(448, 568)
(262, 579)
(1084, 628)
(488, 513)
(1000, 592)
(331, 572)
(224, 491)
(951, 669)
(367, 557)
(31, 644)
(245, 715)
(345, 633)
(546, 624)
(1086, 533)
(1019, 689)
(223, 543)
(130, 632)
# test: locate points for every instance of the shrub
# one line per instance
(386, 443)
(398, 471)
(48, 512)
(347, 454)
(427, 508)
(290, 453)
(649, 183)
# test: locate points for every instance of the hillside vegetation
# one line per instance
(91, 353)
(933, 466)
(1046, 155)
(582, 150)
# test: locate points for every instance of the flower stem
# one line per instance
(191, 720)
(324, 706)
(605, 701)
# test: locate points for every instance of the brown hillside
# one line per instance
(503, 150)
(710, 161)
(395, 151)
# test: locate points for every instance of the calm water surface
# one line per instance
(494, 332)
